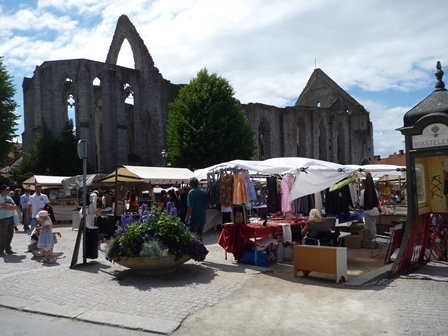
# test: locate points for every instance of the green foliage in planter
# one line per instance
(155, 250)
(135, 233)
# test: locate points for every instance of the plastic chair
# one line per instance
(311, 241)
(322, 239)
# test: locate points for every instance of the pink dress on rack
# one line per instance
(286, 190)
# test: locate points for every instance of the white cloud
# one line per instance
(267, 50)
(388, 142)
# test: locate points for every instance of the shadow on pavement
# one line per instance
(93, 267)
(13, 259)
(186, 274)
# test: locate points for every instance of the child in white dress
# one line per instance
(46, 239)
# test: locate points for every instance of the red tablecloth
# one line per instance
(234, 237)
(273, 227)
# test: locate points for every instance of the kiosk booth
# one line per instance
(426, 139)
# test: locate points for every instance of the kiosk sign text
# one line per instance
(434, 135)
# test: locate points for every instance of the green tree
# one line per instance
(69, 162)
(42, 157)
(206, 124)
(8, 118)
(52, 156)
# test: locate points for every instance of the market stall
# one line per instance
(46, 181)
(300, 182)
(148, 176)
(61, 202)
(76, 182)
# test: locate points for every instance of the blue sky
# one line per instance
(381, 52)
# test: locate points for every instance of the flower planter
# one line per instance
(150, 266)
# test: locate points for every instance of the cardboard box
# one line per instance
(353, 241)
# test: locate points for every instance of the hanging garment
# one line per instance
(338, 202)
(353, 192)
(227, 185)
(209, 188)
(217, 191)
(305, 204)
(240, 189)
(272, 201)
(370, 198)
(343, 183)
(286, 190)
(250, 187)
(318, 200)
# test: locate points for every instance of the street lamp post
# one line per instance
(164, 154)
(82, 153)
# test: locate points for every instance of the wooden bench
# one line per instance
(325, 259)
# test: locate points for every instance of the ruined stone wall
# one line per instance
(326, 123)
(318, 133)
(116, 133)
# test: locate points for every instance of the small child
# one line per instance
(46, 239)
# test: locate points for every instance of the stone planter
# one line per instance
(150, 266)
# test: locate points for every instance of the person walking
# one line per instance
(7, 208)
(197, 201)
(24, 200)
(36, 203)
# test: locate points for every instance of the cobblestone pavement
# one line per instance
(100, 286)
(420, 306)
(218, 295)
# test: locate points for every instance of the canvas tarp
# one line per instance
(77, 181)
(151, 175)
(45, 180)
(311, 175)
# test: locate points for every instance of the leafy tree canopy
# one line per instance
(206, 124)
(8, 118)
(50, 155)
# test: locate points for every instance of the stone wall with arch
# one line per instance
(119, 132)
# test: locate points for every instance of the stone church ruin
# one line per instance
(325, 123)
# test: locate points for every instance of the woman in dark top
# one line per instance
(315, 225)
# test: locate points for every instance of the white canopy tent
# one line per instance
(310, 175)
(151, 175)
(77, 181)
(46, 181)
